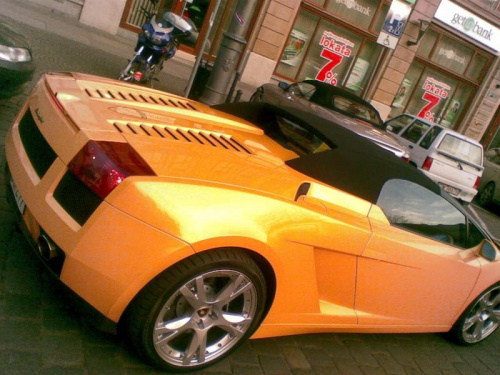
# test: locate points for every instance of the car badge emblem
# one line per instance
(38, 115)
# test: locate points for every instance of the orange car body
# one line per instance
(335, 261)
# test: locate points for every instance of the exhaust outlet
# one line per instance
(46, 247)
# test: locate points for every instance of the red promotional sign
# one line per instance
(335, 48)
(435, 91)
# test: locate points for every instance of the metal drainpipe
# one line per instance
(231, 47)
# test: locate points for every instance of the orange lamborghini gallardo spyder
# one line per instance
(193, 228)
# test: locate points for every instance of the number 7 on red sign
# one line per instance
(325, 74)
(433, 101)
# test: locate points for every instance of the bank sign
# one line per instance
(469, 24)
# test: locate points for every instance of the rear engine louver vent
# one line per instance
(137, 97)
(183, 135)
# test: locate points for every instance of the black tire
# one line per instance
(479, 320)
(178, 326)
(485, 197)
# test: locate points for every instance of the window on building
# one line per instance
(442, 80)
(323, 48)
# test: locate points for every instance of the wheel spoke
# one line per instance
(469, 322)
(233, 289)
(171, 330)
(197, 347)
(478, 331)
(200, 289)
(197, 298)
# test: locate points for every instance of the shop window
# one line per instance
(363, 67)
(330, 54)
(359, 12)
(452, 55)
(405, 90)
(380, 18)
(323, 50)
(297, 44)
(476, 68)
(454, 106)
(488, 5)
(432, 96)
(427, 43)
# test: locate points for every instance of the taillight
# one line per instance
(427, 163)
(102, 166)
(476, 185)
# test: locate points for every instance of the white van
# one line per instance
(451, 159)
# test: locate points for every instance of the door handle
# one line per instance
(410, 146)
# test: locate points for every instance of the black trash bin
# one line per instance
(200, 80)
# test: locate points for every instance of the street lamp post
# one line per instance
(231, 47)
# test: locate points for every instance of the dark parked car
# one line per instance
(16, 62)
(335, 104)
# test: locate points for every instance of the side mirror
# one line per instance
(283, 85)
(488, 251)
(389, 128)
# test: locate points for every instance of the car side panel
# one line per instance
(312, 252)
(404, 278)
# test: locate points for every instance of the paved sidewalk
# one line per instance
(121, 45)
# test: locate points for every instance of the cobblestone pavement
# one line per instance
(41, 333)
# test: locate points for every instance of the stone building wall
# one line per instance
(271, 37)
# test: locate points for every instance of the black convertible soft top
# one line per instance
(354, 164)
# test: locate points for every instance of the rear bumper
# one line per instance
(464, 193)
(108, 259)
(96, 318)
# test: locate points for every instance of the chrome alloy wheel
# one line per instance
(205, 318)
(483, 318)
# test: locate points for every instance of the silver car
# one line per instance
(489, 186)
(334, 104)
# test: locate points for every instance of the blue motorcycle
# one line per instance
(157, 42)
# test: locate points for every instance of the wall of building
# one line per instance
(271, 33)
(72, 8)
(402, 57)
(271, 37)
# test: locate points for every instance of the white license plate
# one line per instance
(17, 196)
(450, 189)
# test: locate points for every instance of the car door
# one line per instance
(419, 266)
(411, 137)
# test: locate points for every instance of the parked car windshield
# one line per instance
(461, 149)
(355, 109)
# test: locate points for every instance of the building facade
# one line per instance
(443, 65)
